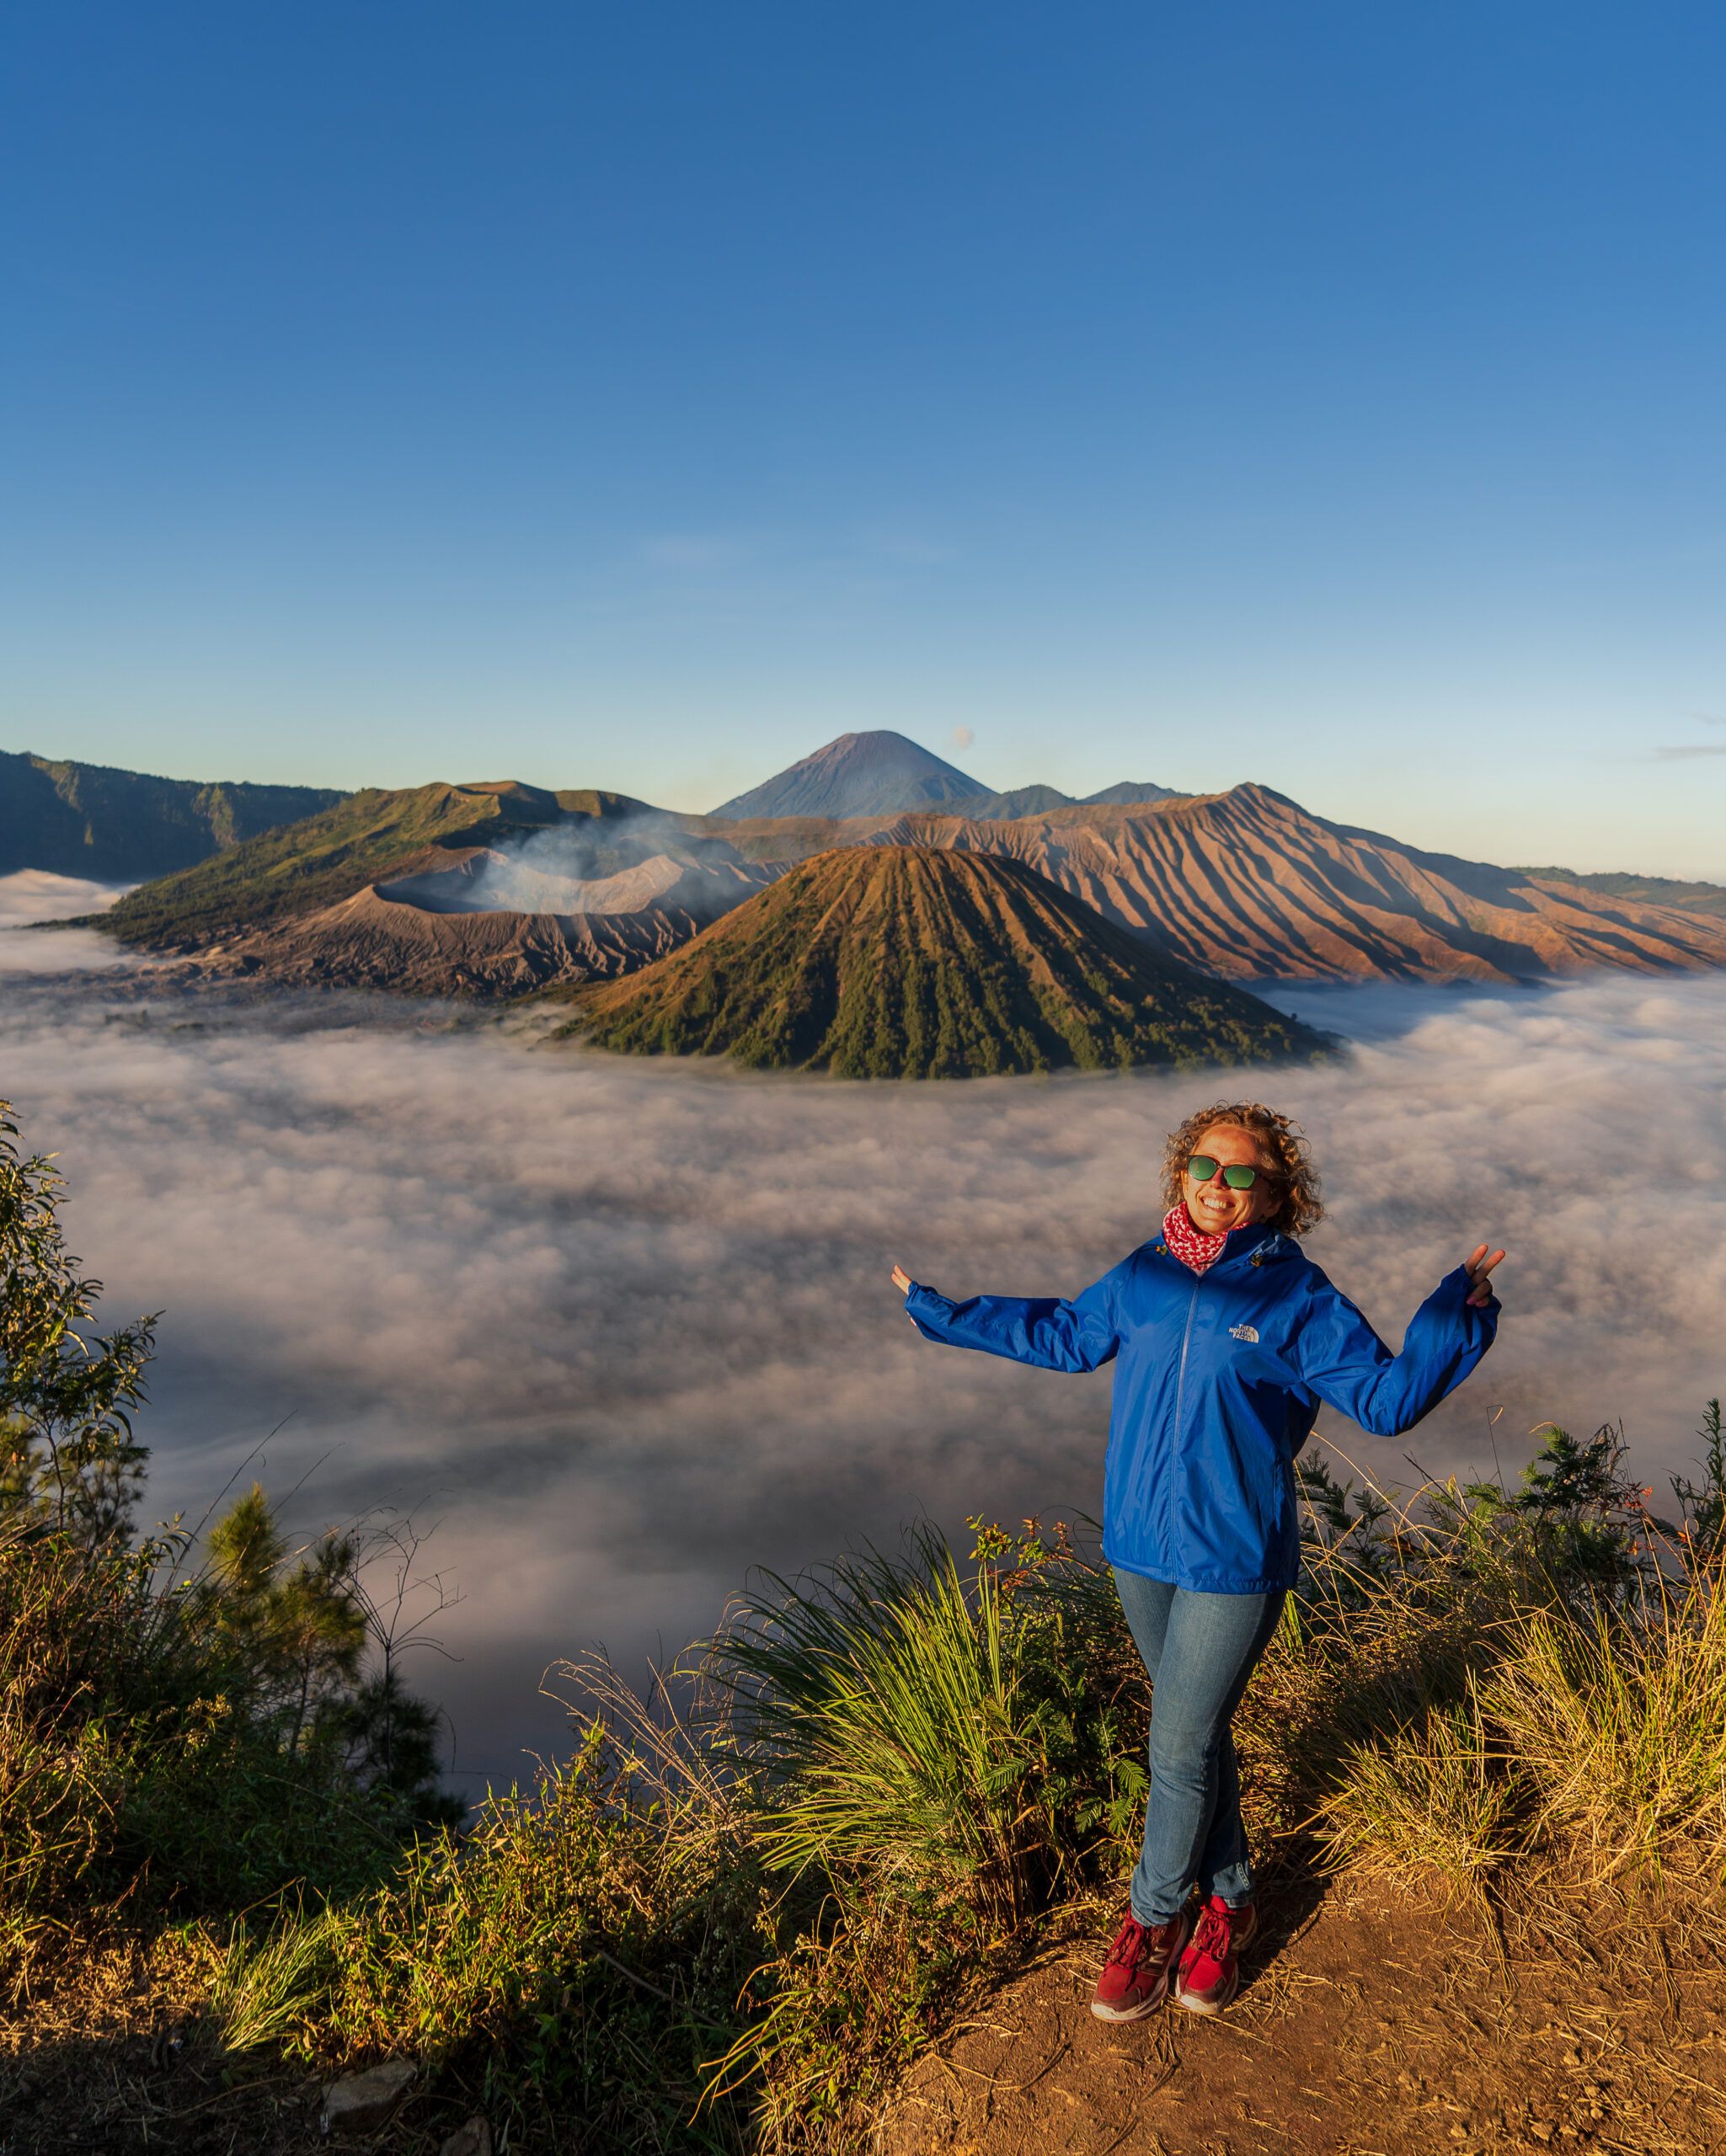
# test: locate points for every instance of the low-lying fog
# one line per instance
(625, 1329)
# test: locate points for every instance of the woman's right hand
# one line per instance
(1480, 1272)
(902, 1280)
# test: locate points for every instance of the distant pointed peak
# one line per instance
(875, 774)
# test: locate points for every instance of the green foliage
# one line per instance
(1618, 1720)
(69, 1623)
(70, 1461)
(751, 1897)
(883, 1708)
(727, 1924)
(1566, 1477)
(133, 1767)
(1351, 1541)
(947, 1754)
(297, 1631)
(392, 1742)
(1570, 1706)
(1703, 1504)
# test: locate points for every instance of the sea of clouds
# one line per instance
(622, 1330)
(32, 895)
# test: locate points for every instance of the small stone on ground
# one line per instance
(360, 2101)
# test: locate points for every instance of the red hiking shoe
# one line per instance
(1138, 1969)
(1210, 1972)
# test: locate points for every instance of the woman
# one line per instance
(1229, 1340)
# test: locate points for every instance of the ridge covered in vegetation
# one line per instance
(329, 856)
(910, 962)
(119, 827)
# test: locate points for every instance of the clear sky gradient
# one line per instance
(640, 396)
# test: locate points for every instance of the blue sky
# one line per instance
(640, 396)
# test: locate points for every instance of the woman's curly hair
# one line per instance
(1297, 1205)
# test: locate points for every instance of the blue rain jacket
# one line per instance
(1219, 1378)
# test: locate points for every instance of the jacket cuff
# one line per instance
(929, 1310)
(1486, 1312)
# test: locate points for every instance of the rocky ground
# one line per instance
(1369, 2024)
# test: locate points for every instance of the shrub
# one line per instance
(194, 1742)
(134, 1764)
(931, 1753)
(750, 1895)
(889, 1724)
(582, 1952)
(754, 1894)
(69, 1461)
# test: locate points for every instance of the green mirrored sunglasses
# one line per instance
(1237, 1175)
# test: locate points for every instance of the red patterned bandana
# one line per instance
(1193, 1248)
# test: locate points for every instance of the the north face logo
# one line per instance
(1244, 1333)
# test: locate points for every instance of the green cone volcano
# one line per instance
(909, 961)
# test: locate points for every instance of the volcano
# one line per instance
(485, 889)
(876, 774)
(882, 774)
(910, 962)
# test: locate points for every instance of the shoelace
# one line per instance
(1129, 1945)
(1212, 1936)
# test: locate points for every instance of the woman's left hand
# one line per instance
(1480, 1267)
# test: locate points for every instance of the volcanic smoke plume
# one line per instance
(616, 864)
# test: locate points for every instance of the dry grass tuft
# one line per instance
(1427, 1800)
(1618, 1719)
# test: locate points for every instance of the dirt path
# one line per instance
(1369, 2026)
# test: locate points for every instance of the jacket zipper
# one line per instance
(1180, 1390)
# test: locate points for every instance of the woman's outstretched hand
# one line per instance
(901, 1278)
(1480, 1267)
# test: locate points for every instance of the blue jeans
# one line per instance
(1199, 1649)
